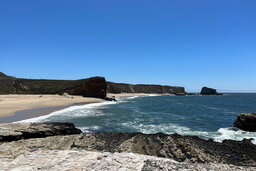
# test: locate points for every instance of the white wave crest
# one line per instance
(89, 129)
(72, 112)
(165, 128)
(234, 134)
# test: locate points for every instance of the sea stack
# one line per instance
(246, 122)
(209, 91)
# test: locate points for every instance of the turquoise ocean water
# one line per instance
(203, 116)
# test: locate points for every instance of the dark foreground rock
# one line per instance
(17, 131)
(180, 148)
(246, 122)
(209, 91)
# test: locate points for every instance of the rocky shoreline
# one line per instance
(25, 140)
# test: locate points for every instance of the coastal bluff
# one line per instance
(117, 88)
(116, 150)
(91, 87)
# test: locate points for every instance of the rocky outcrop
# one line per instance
(6, 84)
(91, 87)
(246, 122)
(18, 131)
(209, 91)
(144, 88)
(180, 148)
(87, 160)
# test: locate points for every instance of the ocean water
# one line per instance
(209, 117)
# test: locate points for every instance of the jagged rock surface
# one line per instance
(246, 122)
(143, 88)
(180, 148)
(16, 131)
(85, 160)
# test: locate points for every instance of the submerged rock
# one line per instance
(209, 91)
(246, 122)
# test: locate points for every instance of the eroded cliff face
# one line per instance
(144, 88)
(90, 87)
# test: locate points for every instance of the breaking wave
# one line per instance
(201, 116)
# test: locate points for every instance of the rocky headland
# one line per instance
(90, 87)
(60, 146)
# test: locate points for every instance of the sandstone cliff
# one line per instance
(143, 88)
(90, 87)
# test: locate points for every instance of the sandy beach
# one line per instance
(9, 104)
(18, 107)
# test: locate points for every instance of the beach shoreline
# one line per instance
(14, 107)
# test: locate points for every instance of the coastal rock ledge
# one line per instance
(246, 122)
(55, 150)
(16, 131)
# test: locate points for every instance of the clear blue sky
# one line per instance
(174, 42)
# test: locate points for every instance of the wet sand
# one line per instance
(10, 104)
(32, 113)
(19, 107)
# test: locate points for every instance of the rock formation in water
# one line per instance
(246, 122)
(176, 147)
(209, 91)
(90, 87)
(144, 88)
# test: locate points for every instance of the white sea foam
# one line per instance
(219, 136)
(133, 97)
(86, 110)
(89, 129)
(234, 134)
(165, 128)
(72, 112)
(152, 95)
